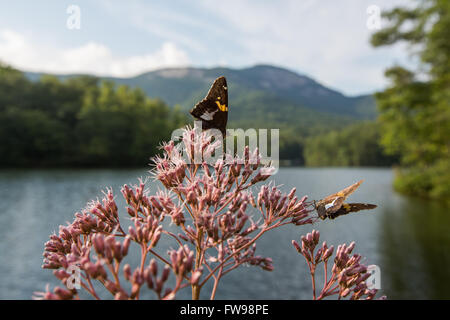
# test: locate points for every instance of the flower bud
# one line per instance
(195, 277)
(127, 272)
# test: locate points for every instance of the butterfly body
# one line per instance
(212, 111)
(334, 206)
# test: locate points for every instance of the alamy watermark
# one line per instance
(374, 281)
(74, 20)
(74, 281)
(228, 147)
(374, 20)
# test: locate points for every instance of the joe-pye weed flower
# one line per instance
(219, 220)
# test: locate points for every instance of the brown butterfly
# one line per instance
(213, 109)
(333, 205)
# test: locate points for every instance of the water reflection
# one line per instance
(408, 238)
(415, 244)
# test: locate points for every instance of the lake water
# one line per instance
(409, 239)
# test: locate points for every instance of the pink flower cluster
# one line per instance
(218, 217)
(348, 274)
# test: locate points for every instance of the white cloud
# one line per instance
(92, 57)
(328, 40)
(160, 20)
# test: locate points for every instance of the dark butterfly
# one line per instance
(213, 110)
(333, 205)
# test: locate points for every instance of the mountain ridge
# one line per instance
(285, 89)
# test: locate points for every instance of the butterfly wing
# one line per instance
(324, 208)
(343, 193)
(346, 208)
(219, 91)
(213, 110)
(332, 203)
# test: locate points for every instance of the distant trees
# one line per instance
(415, 108)
(354, 145)
(79, 121)
(82, 121)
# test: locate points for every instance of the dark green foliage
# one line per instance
(415, 113)
(278, 90)
(86, 121)
(355, 145)
(79, 121)
(263, 97)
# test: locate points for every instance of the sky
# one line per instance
(327, 40)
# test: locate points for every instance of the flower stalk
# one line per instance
(219, 220)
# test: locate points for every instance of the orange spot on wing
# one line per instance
(222, 107)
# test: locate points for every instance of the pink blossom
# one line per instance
(218, 219)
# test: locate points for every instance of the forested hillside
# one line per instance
(79, 122)
(72, 120)
(415, 108)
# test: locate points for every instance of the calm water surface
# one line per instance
(409, 239)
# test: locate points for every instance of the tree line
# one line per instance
(80, 121)
(356, 145)
(83, 121)
(414, 111)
